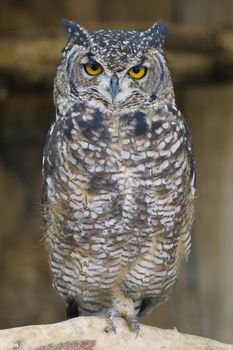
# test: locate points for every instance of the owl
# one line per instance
(118, 175)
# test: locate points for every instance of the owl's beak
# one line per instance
(114, 86)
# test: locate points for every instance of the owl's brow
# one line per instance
(90, 57)
(141, 61)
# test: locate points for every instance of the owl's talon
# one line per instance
(111, 314)
(135, 325)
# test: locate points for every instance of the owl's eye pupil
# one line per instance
(94, 66)
(136, 69)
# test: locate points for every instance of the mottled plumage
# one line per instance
(118, 175)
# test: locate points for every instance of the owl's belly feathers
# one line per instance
(123, 204)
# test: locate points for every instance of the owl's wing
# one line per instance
(49, 158)
(54, 154)
(53, 159)
(47, 170)
(191, 159)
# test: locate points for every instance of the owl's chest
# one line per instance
(130, 145)
(120, 182)
(121, 166)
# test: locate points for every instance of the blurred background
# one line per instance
(199, 49)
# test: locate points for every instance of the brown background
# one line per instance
(202, 302)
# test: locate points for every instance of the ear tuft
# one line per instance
(75, 32)
(156, 35)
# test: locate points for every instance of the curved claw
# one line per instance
(135, 325)
(111, 313)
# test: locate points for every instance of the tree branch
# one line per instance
(89, 333)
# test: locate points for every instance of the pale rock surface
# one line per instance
(89, 333)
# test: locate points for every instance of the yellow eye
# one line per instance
(93, 68)
(137, 72)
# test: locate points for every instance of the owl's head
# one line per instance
(118, 69)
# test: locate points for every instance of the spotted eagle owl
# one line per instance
(118, 175)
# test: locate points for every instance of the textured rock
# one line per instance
(89, 333)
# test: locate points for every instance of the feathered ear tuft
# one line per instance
(75, 32)
(156, 35)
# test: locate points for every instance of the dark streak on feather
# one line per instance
(141, 127)
(156, 125)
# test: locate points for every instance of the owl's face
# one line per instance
(115, 68)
